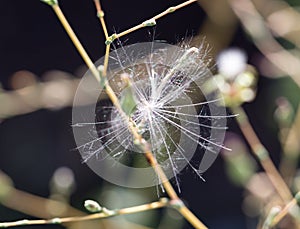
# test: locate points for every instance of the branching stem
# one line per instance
(149, 22)
(283, 212)
(109, 213)
(262, 155)
(114, 99)
(100, 14)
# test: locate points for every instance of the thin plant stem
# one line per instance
(173, 8)
(163, 202)
(90, 63)
(153, 19)
(106, 58)
(100, 14)
(262, 155)
(39, 207)
(291, 150)
(104, 214)
(284, 211)
(182, 209)
(269, 219)
(190, 217)
(76, 42)
(168, 187)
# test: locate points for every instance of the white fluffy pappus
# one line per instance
(168, 107)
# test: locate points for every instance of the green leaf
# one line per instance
(128, 101)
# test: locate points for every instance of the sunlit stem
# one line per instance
(262, 154)
(285, 210)
(100, 14)
(105, 214)
(291, 150)
(106, 58)
(182, 209)
(149, 22)
(76, 42)
(86, 58)
(111, 94)
(270, 217)
(131, 125)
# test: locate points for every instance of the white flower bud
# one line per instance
(231, 62)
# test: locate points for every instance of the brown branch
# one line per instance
(131, 125)
(105, 214)
(262, 155)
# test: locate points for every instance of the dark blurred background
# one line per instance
(35, 144)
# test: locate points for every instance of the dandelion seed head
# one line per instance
(165, 83)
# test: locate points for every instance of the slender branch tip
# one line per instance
(50, 2)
